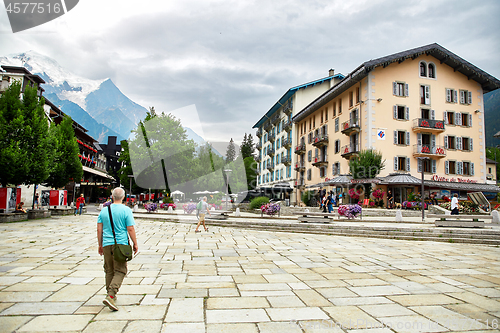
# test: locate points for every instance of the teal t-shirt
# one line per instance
(122, 218)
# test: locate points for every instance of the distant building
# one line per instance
(423, 109)
(112, 151)
(275, 133)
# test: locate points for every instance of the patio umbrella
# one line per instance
(177, 193)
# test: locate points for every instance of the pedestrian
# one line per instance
(390, 200)
(123, 223)
(80, 202)
(433, 196)
(454, 204)
(37, 200)
(329, 202)
(324, 203)
(202, 206)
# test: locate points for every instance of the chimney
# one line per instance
(331, 72)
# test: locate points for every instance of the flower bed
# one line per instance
(270, 209)
(464, 207)
(189, 208)
(349, 211)
(414, 205)
(166, 205)
(151, 207)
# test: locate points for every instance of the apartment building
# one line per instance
(275, 130)
(422, 109)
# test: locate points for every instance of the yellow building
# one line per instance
(422, 109)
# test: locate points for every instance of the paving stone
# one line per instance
(267, 293)
(237, 303)
(182, 293)
(386, 310)
(42, 308)
(105, 326)
(138, 290)
(294, 314)
(372, 330)
(412, 324)
(232, 328)
(23, 296)
(263, 286)
(10, 324)
(237, 316)
(94, 309)
(74, 293)
(416, 300)
(366, 282)
(447, 318)
(34, 287)
(312, 298)
(153, 300)
(321, 326)
(144, 326)
(76, 280)
(277, 327)
(285, 301)
(121, 299)
(473, 312)
(183, 328)
(378, 290)
(216, 292)
(359, 300)
(5, 305)
(351, 317)
(60, 323)
(336, 292)
(185, 310)
(133, 312)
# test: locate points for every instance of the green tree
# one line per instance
(247, 146)
(65, 162)
(366, 165)
(230, 152)
(251, 172)
(25, 142)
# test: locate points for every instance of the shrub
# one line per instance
(168, 200)
(256, 203)
(307, 196)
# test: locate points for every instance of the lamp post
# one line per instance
(422, 187)
(227, 172)
(130, 177)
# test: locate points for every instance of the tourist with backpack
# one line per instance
(201, 207)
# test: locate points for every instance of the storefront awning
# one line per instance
(476, 187)
(339, 180)
(97, 172)
(400, 179)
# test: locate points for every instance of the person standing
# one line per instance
(123, 222)
(37, 200)
(80, 202)
(390, 200)
(201, 216)
(454, 204)
(329, 202)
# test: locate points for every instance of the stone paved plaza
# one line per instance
(237, 280)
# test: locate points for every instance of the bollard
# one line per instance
(399, 216)
(495, 216)
(237, 213)
(135, 209)
(170, 210)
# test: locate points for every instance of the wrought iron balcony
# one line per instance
(320, 140)
(350, 126)
(286, 142)
(349, 150)
(258, 145)
(270, 166)
(300, 182)
(287, 125)
(259, 132)
(271, 151)
(428, 125)
(300, 149)
(267, 126)
(287, 108)
(286, 160)
(300, 166)
(271, 137)
(275, 118)
(320, 161)
(258, 158)
(429, 151)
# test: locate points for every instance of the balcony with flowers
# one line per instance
(350, 150)
(429, 151)
(300, 166)
(428, 125)
(320, 161)
(320, 140)
(300, 149)
(350, 126)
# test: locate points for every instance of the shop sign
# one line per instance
(453, 180)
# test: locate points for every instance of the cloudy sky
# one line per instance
(235, 59)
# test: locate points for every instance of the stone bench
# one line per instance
(316, 216)
(13, 217)
(460, 221)
(218, 214)
(65, 211)
(38, 214)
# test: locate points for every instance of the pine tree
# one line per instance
(230, 152)
(65, 162)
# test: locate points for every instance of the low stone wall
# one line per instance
(65, 211)
(13, 217)
(38, 214)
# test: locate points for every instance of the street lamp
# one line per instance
(227, 172)
(422, 186)
(130, 177)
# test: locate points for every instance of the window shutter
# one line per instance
(469, 97)
(427, 95)
(419, 165)
(446, 142)
(395, 88)
(395, 111)
(407, 164)
(419, 140)
(460, 167)
(433, 143)
(458, 143)
(458, 118)
(395, 163)
(395, 137)
(309, 155)
(407, 113)
(433, 114)
(316, 152)
(462, 97)
(336, 124)
(470, 144)
(448, 95)
(447, 167)
(433, 166)
(472, 168)
(407, 138)
(470, 120)
(407, 90)
(455, 96)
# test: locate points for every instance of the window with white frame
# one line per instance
(465, 97)
(451, 167)
(451, 142)
(400, 89)
(425, 94)
(451, 95)
(449, 117)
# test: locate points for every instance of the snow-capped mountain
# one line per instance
(80, 97)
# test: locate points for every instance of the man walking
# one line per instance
(123, 222)
(80, 202)
(203, 208)
(454, 204)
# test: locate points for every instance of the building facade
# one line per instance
(423, 109)
(275, 137)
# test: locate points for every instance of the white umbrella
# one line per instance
(177, 192)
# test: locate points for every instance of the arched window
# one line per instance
(432, 71)
(423, 69)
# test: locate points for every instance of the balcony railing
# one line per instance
(275, 118)
(271, 137)
(267, 126)
(320, 161)
(428, 125)
(258, 145)
(287, 124)
(299, 166)
(258, 158)
(271, 151)
(259, 132)
(349, 150)
(320, 140)
(300, 182)
(286, 160)
(286, 142)
(429, 151)
(350, 126)
(287, 108)
(270, 166)
(300, 149)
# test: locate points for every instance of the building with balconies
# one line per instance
(275, 132)
(423, 109)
